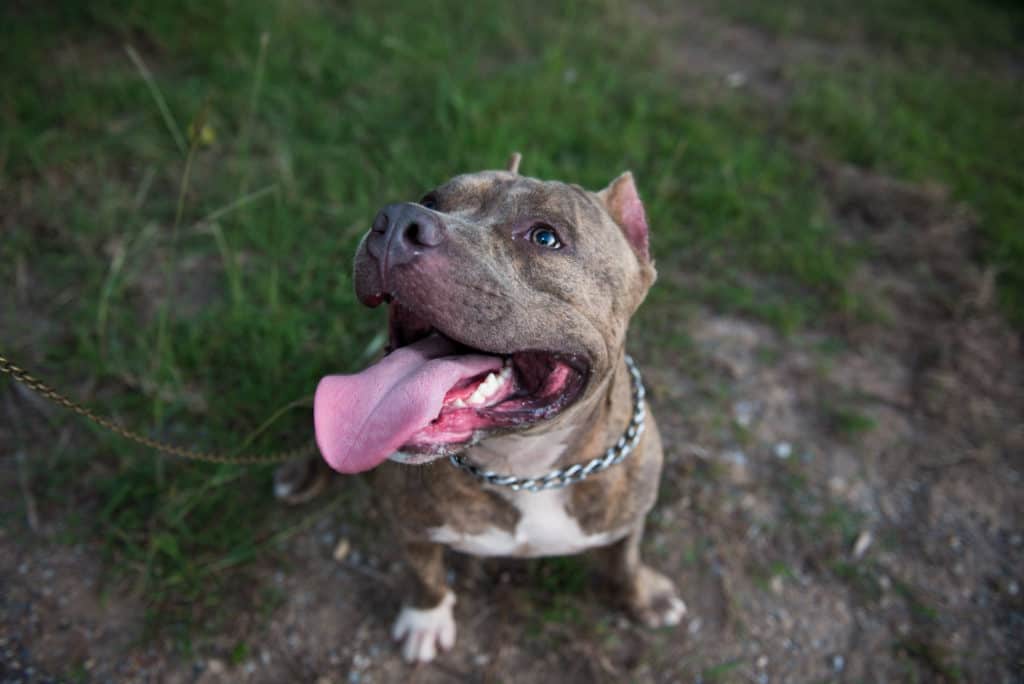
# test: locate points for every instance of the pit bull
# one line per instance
(505, 418)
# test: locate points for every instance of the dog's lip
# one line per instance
(570, 359)
(579, 363)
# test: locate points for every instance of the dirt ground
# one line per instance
(842, 504)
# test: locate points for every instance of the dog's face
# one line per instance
(518, 291)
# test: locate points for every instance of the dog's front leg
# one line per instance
(426, 621)
(650, 596)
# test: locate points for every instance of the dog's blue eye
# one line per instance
(429, 201)
(545, 236)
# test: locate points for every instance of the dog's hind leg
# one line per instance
(300, 480)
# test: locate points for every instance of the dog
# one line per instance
(505, 418)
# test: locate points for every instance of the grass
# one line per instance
(987, 29)
(912, 123)
(183, 212)
(930, 97)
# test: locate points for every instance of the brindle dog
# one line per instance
(509, 302)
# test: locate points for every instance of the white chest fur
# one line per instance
(545, 527)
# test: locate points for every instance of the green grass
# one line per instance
(964, 131)
(987, 28)
(927, 94)
(186, 212)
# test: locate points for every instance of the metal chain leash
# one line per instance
(563, 477)
(28, 380)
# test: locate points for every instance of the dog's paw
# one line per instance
(423, 631)
(300, 480)
(654, 600)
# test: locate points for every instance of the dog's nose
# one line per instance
(408, 230)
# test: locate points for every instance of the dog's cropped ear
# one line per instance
(623, 204)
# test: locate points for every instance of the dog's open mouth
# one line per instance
(431, 395)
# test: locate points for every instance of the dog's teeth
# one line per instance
(483, 390)
(458, 403)
(489, 387)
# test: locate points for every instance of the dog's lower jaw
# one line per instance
(424, 631)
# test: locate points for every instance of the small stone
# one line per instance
(837, 486)
(838, 663)
(215, 666)
(739, 466)
(736, 79)
(341, 550)
(783, 450)
(761, 662)
(776, 585)
(743, 412)
(323, 679)
(955, 543)
(694, 627)
(1013, 588)
(481, 659)
(864, 540)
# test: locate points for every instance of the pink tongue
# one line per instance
(362, 419)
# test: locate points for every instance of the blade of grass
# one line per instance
(161, 103)
(250, 114)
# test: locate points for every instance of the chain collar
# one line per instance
(563, 477)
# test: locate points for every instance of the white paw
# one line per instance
(656, 602)
(424, 631)
(674, 612)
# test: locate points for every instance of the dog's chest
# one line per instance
(545, 526)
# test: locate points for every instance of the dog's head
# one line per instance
(508, 297)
